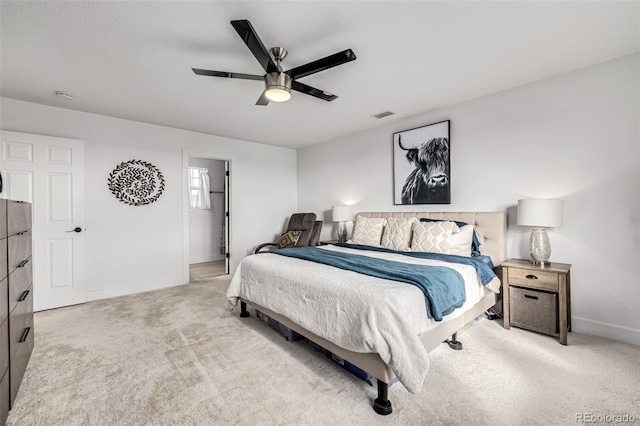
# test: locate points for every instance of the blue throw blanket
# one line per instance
(443, 287)
(482, 264)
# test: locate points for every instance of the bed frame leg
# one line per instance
(454, 343)
(382, 405)
(243, 310)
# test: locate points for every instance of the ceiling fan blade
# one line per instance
(322, 64)
(211, 73)
(253, 42)
(308, 90)
(263, 100)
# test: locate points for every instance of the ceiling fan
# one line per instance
(278, 83)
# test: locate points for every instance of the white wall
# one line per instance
(205, 226)
(574, 136)
(131, 249)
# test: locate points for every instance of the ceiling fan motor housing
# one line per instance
(277, 82)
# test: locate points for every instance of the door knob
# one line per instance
(76, 229)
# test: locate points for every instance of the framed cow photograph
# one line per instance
(421, 166)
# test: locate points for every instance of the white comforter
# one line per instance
(355, 311)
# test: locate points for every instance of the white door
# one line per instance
(49, 173)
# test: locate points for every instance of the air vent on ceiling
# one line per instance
(64, 95)
(383, 114)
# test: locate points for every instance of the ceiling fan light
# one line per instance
(278, 94)
(278, 87)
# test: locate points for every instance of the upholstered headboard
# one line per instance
(492, 226)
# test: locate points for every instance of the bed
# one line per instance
(379, 328)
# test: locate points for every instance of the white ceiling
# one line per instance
(133, 59)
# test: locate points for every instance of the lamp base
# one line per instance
(540, 263)
(342, 232)
(539, 246)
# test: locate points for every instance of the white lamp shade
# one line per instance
(342, 213)
(540, 212)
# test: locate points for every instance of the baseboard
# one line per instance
(132, 288)
(610, 331)
(205, 258)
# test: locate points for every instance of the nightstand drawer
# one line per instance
(534, 279)
(535, 310)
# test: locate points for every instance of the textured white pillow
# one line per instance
(461, 241)
(368, 230)
(397, 233)
(434, 237)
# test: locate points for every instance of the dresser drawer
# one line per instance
(4, 305)
(535, 310)
(4, 346)
(19, 320)
(18, 217)
(4, 397)
(535, 279)
(4, 270)
(19, 362)
(19, 247)
(19, 282)
(3, 228)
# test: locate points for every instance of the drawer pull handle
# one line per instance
(23, 263)
(23, 296)
(528, 296)
(531, 277)
(25, 333)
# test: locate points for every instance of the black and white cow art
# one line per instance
(428, 183)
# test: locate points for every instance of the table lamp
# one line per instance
(342, 214)
(540, 214)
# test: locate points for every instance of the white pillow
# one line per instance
(434, 237)
(461, 241)
(368, 230)
(397, 233)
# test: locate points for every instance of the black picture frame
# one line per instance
(422, 165)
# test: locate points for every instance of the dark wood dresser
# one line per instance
(16, 299)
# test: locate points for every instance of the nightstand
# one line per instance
(327, 242)
(537, 298)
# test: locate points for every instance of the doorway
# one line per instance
(49, 173)
(207, 216)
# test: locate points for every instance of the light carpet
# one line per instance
(177, 356)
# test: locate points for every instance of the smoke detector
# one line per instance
(383, 114)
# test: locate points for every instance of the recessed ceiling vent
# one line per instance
(64, 95)
(383, 114)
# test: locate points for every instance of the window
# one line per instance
(199, 185)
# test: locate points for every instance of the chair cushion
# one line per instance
(315, 234)
(302, 222)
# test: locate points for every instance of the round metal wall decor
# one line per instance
(136, 182)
